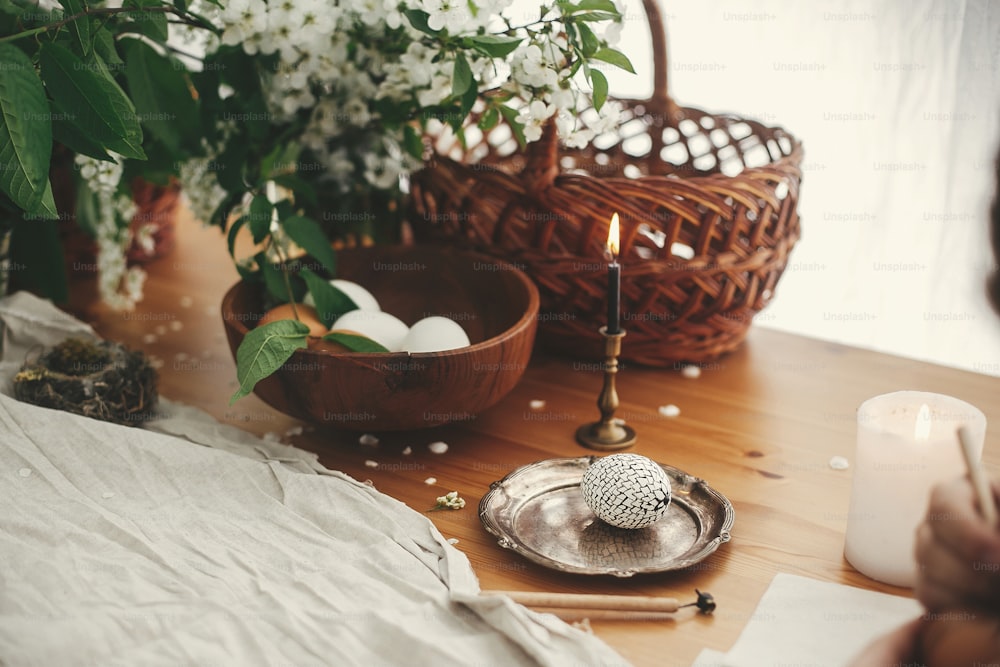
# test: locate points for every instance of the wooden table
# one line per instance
(760, 426)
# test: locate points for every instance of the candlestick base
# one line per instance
(608, 433)
(605, 437)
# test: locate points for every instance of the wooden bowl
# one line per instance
(495, 303)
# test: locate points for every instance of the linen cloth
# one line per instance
(194, 543)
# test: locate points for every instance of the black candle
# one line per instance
(614, 278)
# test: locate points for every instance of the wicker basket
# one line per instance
(708, 212)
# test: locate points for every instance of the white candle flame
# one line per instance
(922, 429)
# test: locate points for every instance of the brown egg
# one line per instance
(317, 343)
(307, 315)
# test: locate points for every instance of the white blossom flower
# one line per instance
(608, 120)
(243, 21)
(380, 171)
(571, 133)
(145, 237)
(449, 501)
(451, 15)
(201, 187)
(102, 176)
(533, 117)
(390, 12)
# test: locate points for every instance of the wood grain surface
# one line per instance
(761, 426)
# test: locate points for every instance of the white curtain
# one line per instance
(897, 103)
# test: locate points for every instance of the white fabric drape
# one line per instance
(896, 102)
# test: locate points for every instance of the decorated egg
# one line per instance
(435, 334)
(626, 490)
(361, 297)
(385, 329)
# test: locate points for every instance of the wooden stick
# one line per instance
(573, 615)
(579, 601)
(987, 505)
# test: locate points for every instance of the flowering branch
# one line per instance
(185, 18)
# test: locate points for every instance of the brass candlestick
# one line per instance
(607, 434)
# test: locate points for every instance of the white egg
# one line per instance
(435, 334)
(361, 297)
(383, 328)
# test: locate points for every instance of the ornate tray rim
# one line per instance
(489, 507)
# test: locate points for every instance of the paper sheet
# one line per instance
(124, 546)
(802, 621)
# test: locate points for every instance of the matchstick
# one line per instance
(987, 505)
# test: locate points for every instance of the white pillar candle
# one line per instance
(907, 442)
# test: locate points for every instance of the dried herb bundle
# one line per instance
(101, 379)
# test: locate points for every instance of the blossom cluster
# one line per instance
(120, 286)
(336, 62)
(354, 83)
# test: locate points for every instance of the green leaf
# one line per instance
(81, 26)
(230, 166)
(273, 279)
(510, 115)
(418, 19)
(355, 343)
(222, 213)
(25, 130)
(465, 106)
(242, 73)
(489, 119)
(68, 134)
(247, 273)
(231, 236)
(161, 96)
(616, 58)
(592, 5)
(105, 47)
(594, 17)
(331, 303)
(102, 109)
(497, 46)
(600, 84)
(309, 235)
(412, 142)
(264, 350)
(41, 265)
(588, 39)
(462, 80)
(260, 216)
(303, 189)
(46, 208)
(283, 159)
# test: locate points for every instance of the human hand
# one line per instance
(959, 638)
(957, 552)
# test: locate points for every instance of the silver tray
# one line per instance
(538, 511)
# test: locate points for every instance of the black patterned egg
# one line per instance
(626, 490)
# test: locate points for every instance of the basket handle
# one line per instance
(541, 158)
(660, 102)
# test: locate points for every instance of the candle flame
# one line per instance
(613, 240)
(922, 429)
